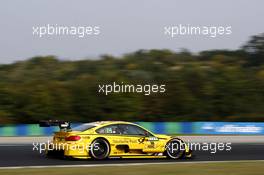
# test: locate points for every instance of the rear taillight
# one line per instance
(73, 138)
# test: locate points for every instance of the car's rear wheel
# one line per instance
(100, 149)
(175, 149)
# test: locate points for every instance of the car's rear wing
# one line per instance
(61, 124)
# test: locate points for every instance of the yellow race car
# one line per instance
(113, 139)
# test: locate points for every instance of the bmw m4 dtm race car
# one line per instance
(113, 139)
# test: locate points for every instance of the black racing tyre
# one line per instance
(100, 149)
(175, 149)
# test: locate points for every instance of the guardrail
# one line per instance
(234, 128)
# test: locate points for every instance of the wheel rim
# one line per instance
(100, 149)
(174, 149)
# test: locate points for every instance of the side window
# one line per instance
(133, 130)
(111, 129)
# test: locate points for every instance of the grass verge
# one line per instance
(235, 168)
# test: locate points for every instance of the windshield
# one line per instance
(83, 127)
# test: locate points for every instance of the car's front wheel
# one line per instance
(175, 149)
(100, 149)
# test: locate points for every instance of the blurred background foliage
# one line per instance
(218, 85)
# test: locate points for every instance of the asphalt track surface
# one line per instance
(23, 155)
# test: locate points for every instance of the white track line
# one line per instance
(130, 164)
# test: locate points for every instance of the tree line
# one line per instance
(213, 85)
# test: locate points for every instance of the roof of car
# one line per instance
(99, 123)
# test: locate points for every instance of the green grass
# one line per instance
(235, 168)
